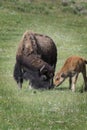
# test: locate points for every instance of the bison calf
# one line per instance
(72, 67)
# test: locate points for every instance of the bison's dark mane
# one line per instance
(17, 73)
(34, 78)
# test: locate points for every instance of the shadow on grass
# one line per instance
(80, 90)
(62, 89)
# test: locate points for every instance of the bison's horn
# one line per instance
(42, 68)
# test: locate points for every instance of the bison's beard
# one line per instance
(37, 81)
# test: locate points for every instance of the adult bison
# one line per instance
(40, 45)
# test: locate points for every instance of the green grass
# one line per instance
(57, 109)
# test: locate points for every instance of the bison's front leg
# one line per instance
(18, 74)
(51, 84)
(19, 83)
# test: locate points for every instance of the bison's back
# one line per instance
(47, 49)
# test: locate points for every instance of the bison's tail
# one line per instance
(17, 74)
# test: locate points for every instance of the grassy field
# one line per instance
(57, 109)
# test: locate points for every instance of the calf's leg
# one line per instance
(85, 78)
(73, 84)
(70, 82)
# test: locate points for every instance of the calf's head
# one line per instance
(59, 78)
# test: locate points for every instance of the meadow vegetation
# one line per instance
(57, 109)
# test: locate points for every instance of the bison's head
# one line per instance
(47, 72)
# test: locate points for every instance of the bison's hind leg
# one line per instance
(18, 74)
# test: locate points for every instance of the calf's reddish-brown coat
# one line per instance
(72, 67)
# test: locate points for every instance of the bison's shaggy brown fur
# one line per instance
(39, 44)
(38, 49)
